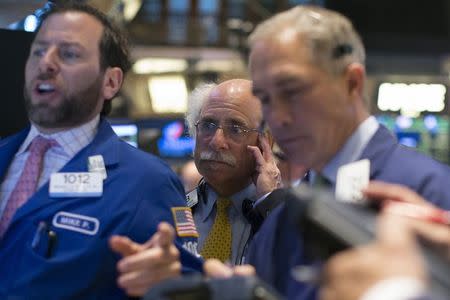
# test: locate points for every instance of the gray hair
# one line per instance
(331, 38)
(196, 100)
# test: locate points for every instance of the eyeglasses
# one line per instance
(235, 132)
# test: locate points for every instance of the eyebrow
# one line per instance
(236, 122)
(230, 121)
(62, 44)
(256, 90)
(281, 81)
(286, 80)
(208, 119)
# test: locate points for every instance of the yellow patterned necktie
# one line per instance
(218, 242)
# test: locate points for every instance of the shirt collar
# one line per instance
(352, 149)
(247, 193)
(71, 141)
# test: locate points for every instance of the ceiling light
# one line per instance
(131, 8)
(411, 99)
(219, 65)
(159, 65)
(168, 94)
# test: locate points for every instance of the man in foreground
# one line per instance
(68, 182)
(307, 67)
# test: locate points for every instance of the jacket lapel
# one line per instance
(8, 149)
(378, 149)
(105, 143)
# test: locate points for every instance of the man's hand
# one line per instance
(216, 269)
(144, 265)
(350, 274)
(382, 191)
(437, 235)
(267, 176)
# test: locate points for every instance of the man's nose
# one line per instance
(279, 114)
(49, 63)
(219, 140)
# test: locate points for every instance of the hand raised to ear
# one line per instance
(267, 176)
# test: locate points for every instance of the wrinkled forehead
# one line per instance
(228, 102)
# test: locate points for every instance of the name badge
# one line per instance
(96, 164)
(192, 198)
(75, 222)
(82, 184)
(351, 179)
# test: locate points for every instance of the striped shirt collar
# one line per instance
(71, 141)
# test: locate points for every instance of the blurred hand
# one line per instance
(267, 176)
(144, 265)
(436, 234)
(216, 269)
(349, 274)
(382, 191)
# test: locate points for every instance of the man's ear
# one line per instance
(112, 82)
(355, 77)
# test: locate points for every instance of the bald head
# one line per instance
(229, 117)
(235, 90)
(238, 92)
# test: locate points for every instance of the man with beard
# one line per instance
(235, 159)
(68, 182)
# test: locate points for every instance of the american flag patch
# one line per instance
(184, 222)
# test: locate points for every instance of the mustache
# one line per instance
(219, 156)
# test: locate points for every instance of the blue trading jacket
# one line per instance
(138, 193)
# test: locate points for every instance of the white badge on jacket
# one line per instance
(76, 184)
(192, 198)
(75, 222)
(96, 164)
(351, 179)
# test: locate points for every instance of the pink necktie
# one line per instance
(27, 183)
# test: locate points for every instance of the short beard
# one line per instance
(71, 112)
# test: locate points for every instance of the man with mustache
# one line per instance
(236, 162)
(68, 182)
(233, 156)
